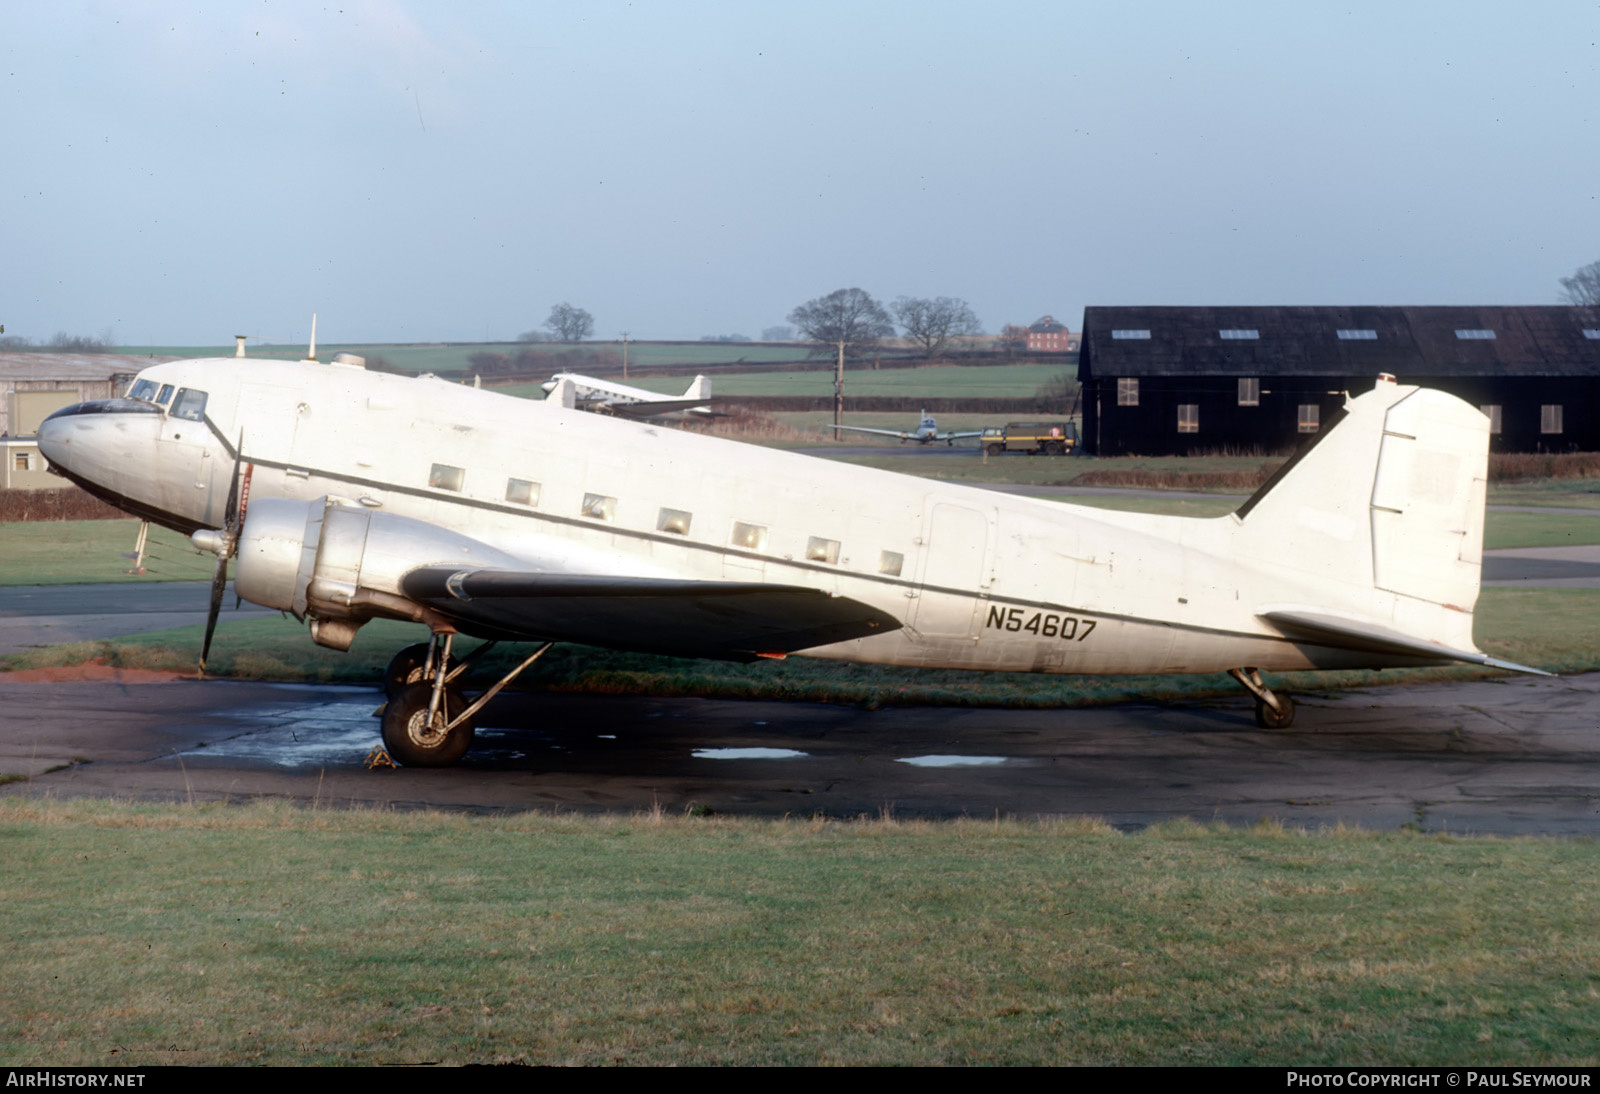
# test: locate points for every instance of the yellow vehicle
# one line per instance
(1034, 438)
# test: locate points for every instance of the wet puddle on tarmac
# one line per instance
(952, 761)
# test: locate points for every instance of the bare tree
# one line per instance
(1583, 287)
(569, 324)
(1012, 339)
(845, 321)
(848, 321)
(931, 323)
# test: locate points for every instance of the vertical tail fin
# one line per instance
(1384, 513)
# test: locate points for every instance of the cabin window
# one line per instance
(891, 562)
(1475, 335)
(166, 394)
(1128, 391)
(1550, 418)
(822, 550)
(143, 390)
(190, 404)
(752, 537)
(1357, 335)
(445, 477)
(1249, 391)
(522, 491)
(1238, 335)
(1310, 417)
(599, 506)
(1492, 412)
(675, 521)
(1188, 417)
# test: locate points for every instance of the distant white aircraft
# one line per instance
(927, 432)
(348, 495)
(589, 393)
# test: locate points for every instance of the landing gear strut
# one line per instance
(427, 722)
(1274, 710)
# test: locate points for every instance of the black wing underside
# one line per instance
(734, 621)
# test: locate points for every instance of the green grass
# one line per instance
(145, 935)
(76, 552)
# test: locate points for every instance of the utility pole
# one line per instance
(838, 390)
(624, 355)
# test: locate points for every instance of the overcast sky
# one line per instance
(181, 172)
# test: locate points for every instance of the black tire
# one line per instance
(405, 668)
(410, 743)
(1267, 718)
(995, 449)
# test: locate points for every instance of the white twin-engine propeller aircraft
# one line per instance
(347, 495)
(927, 431)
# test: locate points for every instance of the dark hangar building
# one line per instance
(1173, 381)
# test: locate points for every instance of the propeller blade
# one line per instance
(219, 581)
(225, 549)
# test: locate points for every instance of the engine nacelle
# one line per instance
(341, 564)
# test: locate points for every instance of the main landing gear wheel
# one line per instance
(412, 740)
(1282, 718)
(405, 668)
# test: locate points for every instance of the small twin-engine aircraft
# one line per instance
(927, 432)
(619, 400)
(347, 495)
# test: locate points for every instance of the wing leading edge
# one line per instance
(727, 620)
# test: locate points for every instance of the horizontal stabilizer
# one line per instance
(722, 619)
(1350, 634)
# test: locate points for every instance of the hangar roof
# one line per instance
(1341, 341)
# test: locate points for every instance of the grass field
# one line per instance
(142, 935)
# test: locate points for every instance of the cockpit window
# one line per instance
(143, 390)
(190, 404)
(166, 394)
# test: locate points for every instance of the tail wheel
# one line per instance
(414, 741)
(1282, 718)
(405, 669)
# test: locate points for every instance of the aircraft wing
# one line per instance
(729, 620)
(957, 436)
(652, 409)
(881, 432)
(1350, 634)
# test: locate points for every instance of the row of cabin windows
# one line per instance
(188, 403)
(750, 537)
(1465, 334)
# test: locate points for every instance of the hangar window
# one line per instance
(1238, 335)
(24, 461)
(1130, 335)
(1310, 417)
(1188, 417)
(675, 521)
(752, 537)
(189, 405)
(599, 506)
(444, 477)
(1249, 391)
(1475, 335)
(822, 550)
(1357, 335)
(522, 491)
(891, 562)
(1550, 418)
(1492, 412)
(1128, 391)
